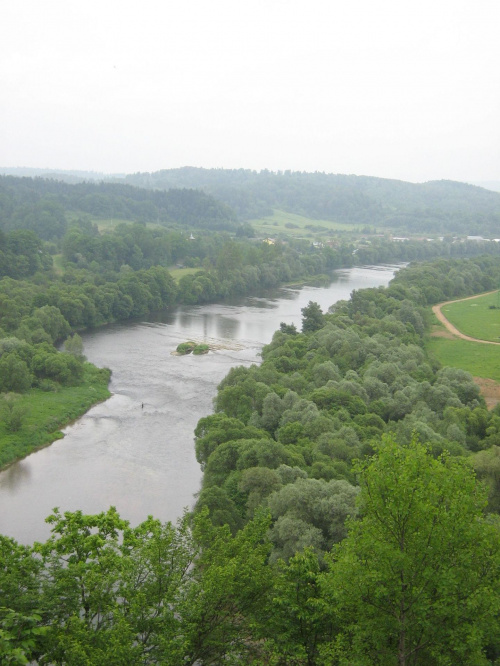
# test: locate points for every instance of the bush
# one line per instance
(186, 347)
(201, 349)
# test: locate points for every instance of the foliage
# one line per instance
(155, 593)
(201, 349)
(186, 347)
(292, 443)
(412, 583)
(438, 206)
(312, 317)
(44, 206)
(40, 413)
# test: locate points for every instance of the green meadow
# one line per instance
(478, 317)
(177, 273)
(281, 223)
(478, 358)
(44, 413)
(58, 263)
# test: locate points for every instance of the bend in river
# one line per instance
(135, 451)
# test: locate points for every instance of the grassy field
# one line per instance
(57, 260)
(476, 317)
(109, 224)
(479, 359)
(45, 413)
(298, 226)
(177, 273)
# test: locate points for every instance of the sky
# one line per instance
(391, 88)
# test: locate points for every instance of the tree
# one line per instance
(14, 374)
(74, 345)
(13, 411)
(295, 623)
(312, 317)
(415, 581)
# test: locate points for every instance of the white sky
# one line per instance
(393, 88)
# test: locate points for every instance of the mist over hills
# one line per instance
(442, 206)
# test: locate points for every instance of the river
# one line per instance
(135, 451)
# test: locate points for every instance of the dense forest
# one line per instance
(46, 206)
(348, 514)
(226, 198)
(434, 207)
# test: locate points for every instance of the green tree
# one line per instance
(312, 317)
(13, 411)
(416, 580)
(74, 345)
(296, 622)
(14, 374)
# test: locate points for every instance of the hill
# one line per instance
(217, 198)
(433, 207)
(46, 205)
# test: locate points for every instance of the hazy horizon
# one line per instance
(406, 91)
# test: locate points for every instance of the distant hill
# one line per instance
(71, 176)
(46, 205)
(220, 197)
(437, 206)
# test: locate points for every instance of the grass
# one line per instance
(47, 412)
(109, 224)
(177, 273)
(479, 359)
(297, 225)
(476, 317)
(57, 261)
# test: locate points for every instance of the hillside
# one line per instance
(218, 198)
(46, 206)
(433, 207)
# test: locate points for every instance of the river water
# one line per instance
(135, 451)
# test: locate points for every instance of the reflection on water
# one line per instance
(16, 475)
(135, 451)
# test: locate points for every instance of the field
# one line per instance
(476, 317)
(109, 224)
(177, 273)
(477, 358)
(57, 260)
(281, 223)
(45, 413)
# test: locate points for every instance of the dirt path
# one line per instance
(437, 311)
(490, 390)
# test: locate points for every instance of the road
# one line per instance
(437, 311)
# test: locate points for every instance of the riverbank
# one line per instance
(42, 414)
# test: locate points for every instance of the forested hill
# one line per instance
(217, 198)
(45, 206)
(437, 206)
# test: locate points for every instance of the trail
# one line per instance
(452, 329)
(490, 390)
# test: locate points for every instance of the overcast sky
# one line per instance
(393, 88)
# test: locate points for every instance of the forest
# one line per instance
(46, 206)
(228, 198)
(411, 208)
(348, 512)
